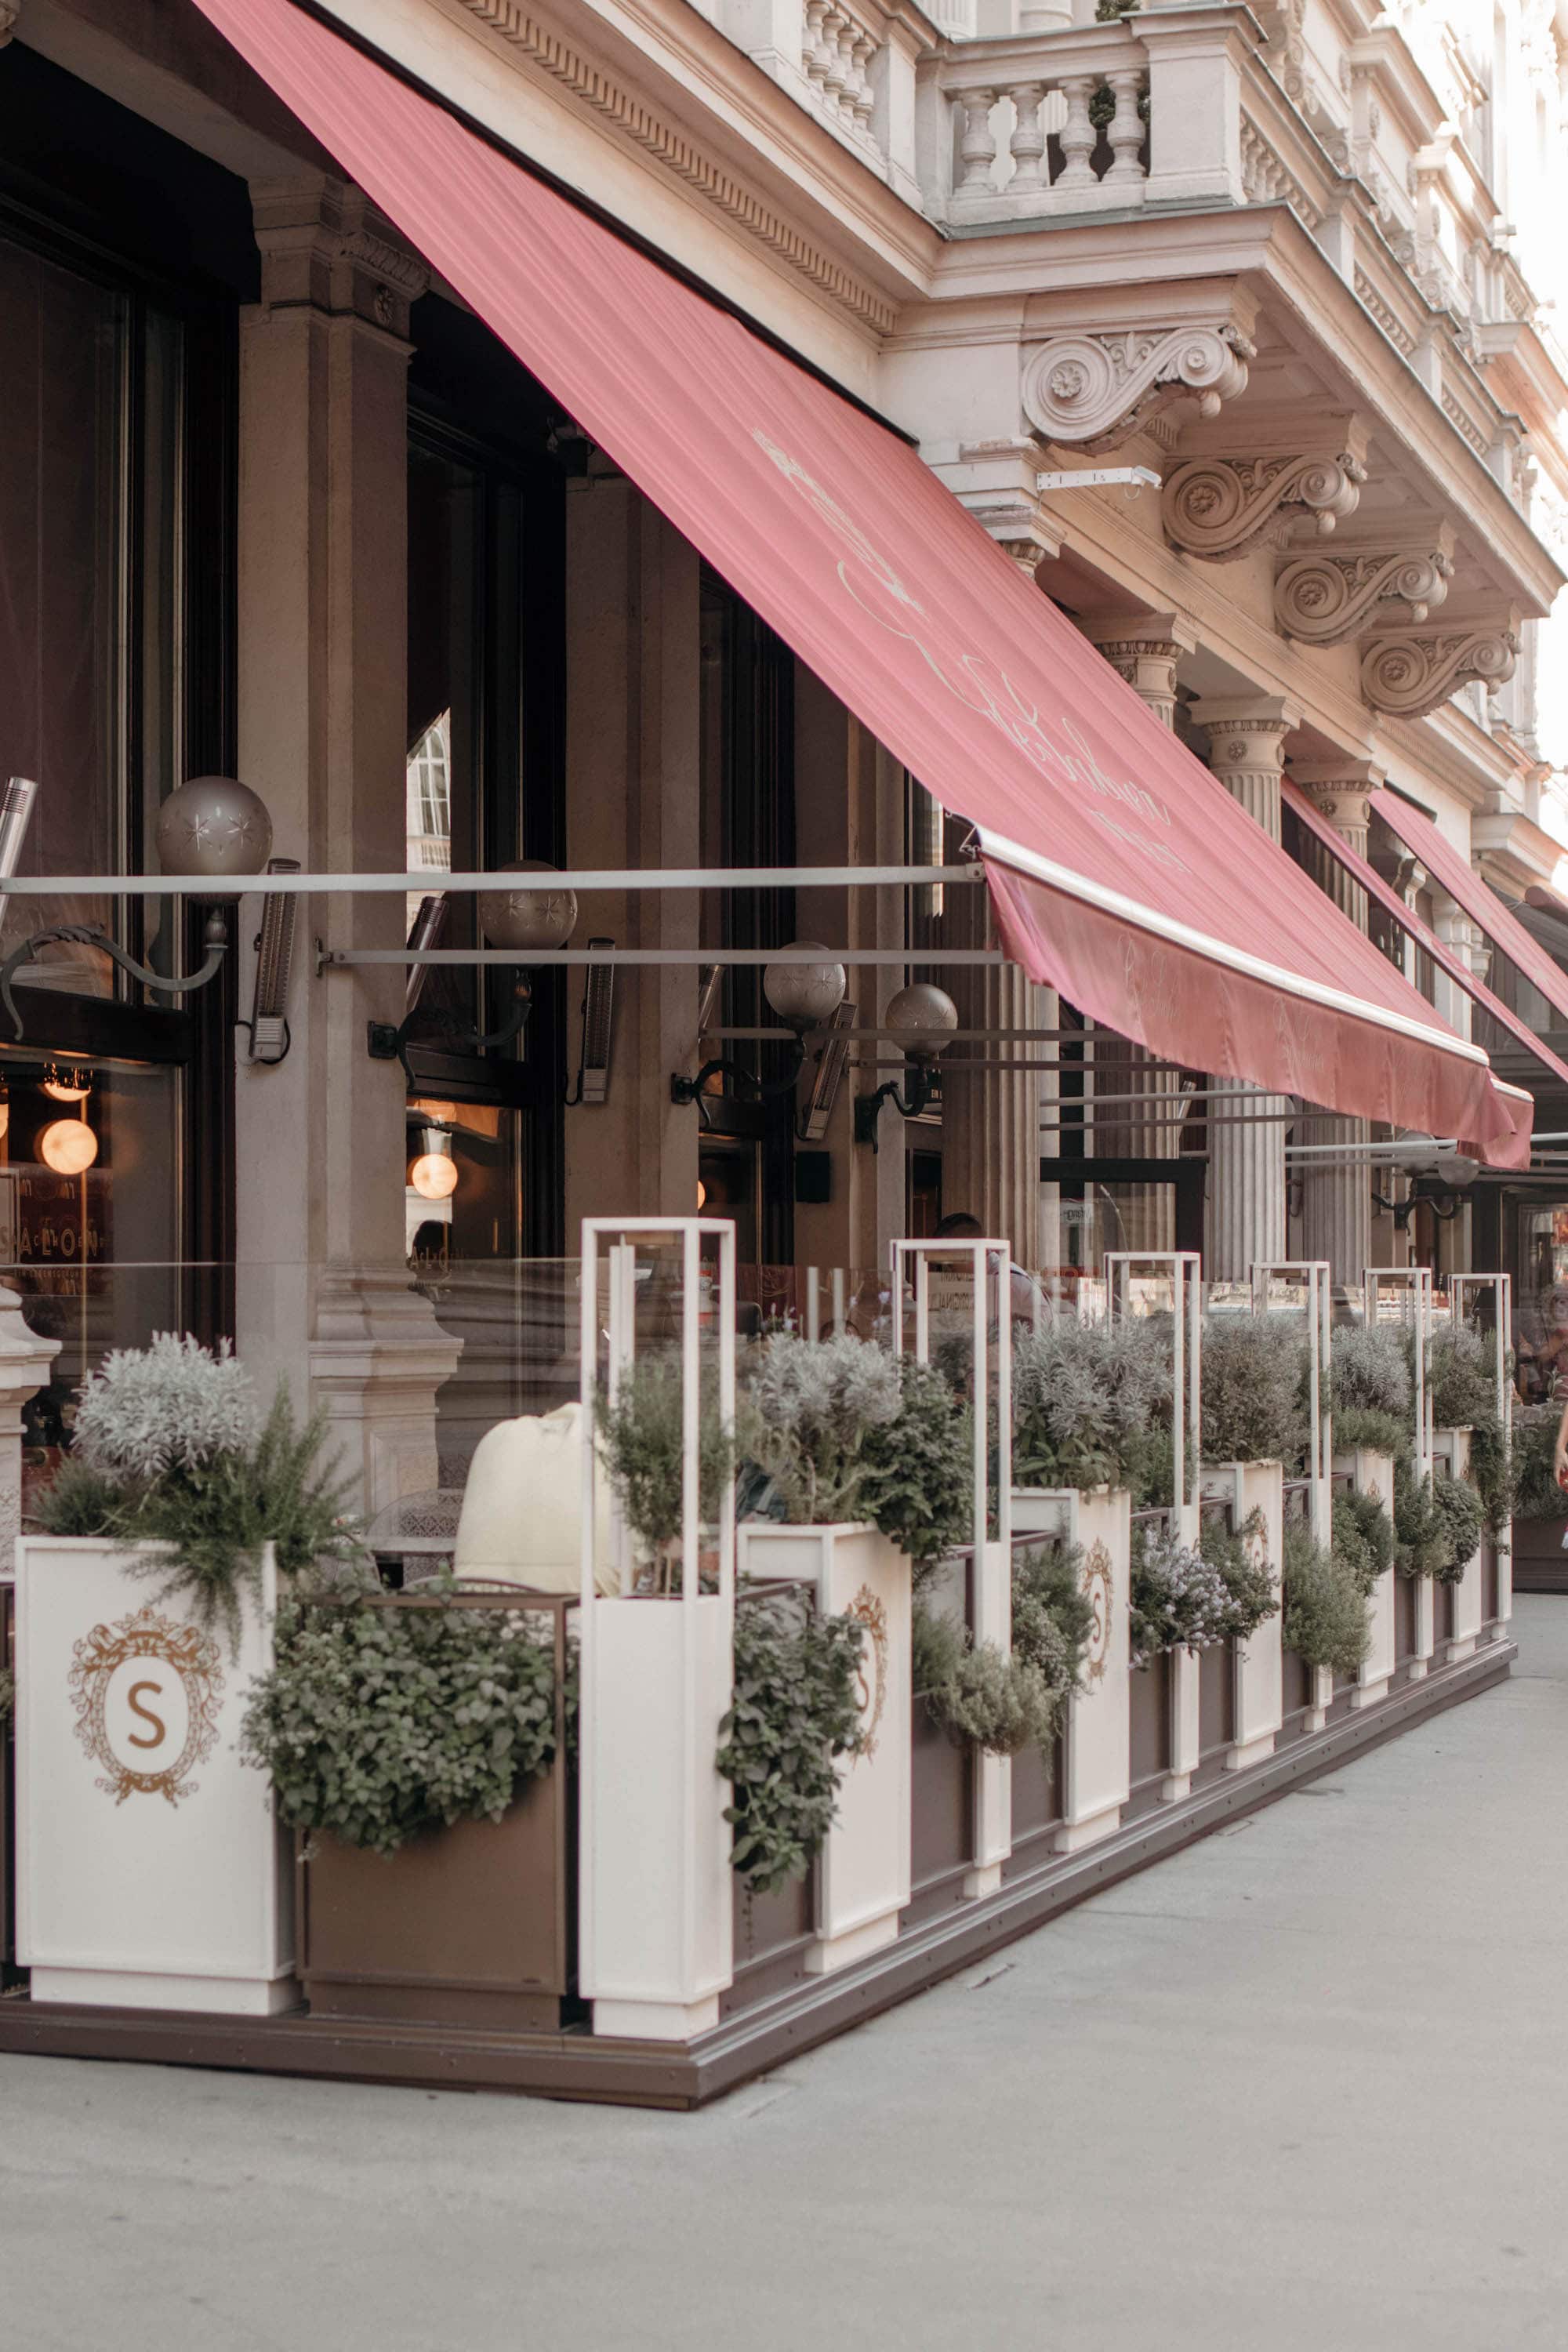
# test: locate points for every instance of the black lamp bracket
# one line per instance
(689, 1090)
(215, 938)
(868, 1107)
(388, 1042)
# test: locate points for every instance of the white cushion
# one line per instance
(522, 1507)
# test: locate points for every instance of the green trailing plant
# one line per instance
(1325, 1620)
(937, 1643)
(1256, 1383)
(1247, 1573)
(641, 1441)
(1362, 1538)
(920, 1468)
(999, 1704)
(1002, 1703)
(377, 1721)
(808, 1412)
(794, 1711)
(1463, 1396)
(1536, 1493)
(1092, 1404)
(1191, 1597)
(1461, 1517)
(192, 1473)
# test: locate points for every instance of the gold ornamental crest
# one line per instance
(1099, 1589)
(146, 1692)
(868, 1611)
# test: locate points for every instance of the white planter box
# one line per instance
(152, 1872)
(655, 1880)
(1250, 1486)
(1452, 1447)
(1096, 1779)
(863, 1877)
(1372, 1474)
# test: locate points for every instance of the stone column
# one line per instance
(633, 799)
(1336, 1201)
(321, 1287)
(1245, 1220)
(1466, 940)
(26, 1361)
(990, 1124)
(1145, 649)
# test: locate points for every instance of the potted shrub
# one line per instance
(1257, 1429)
(861, 1460)
(1471, 1444)
(1539, 1506)
(1093, 1408)
(416, 1744)
(149, 1859)
(1326, 1591)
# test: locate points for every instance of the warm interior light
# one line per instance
(68, 1146)
(701, 1193)
(66, 1085)
(434, 1176)
(5, 1112)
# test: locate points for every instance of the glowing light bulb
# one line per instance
(701, 1193)
(68, 1146)
(5, 1114)
(434, 1176)
(66, 1086)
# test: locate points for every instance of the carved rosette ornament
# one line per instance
(1405, 676)
(1093, 390)
(1221, 508)
(1322, 599)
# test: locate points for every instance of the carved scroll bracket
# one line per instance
(1406, 673)
(1322, 598)
(1221, 508)
(1093, 389)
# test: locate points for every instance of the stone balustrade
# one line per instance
(1034, 126)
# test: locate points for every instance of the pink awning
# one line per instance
(1452, 870)
(1457, 970)
(1121, 871)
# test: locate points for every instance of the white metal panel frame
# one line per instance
(1314, 1277)
(1184, 1270)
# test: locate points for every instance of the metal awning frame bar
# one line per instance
(435, 878)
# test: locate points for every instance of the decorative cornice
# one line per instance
(1321, 599)
(1266, 181)
(687, 161)
(1094, 390)
(1221, 508)
(1387, 317)
(1407, 673)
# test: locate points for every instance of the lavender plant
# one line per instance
(171, 1406)
(1257, 1370)
(811, 1407)
(1178, 1599)
(1086, 1400)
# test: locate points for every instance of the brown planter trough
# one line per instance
(467, 1925)
(1539, 1563)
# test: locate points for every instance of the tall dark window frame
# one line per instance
(128, 1026)
(515, 727)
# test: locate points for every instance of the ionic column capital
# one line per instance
(1340, 791)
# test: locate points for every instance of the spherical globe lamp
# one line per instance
(522, 919)
(68, 1146)
(62, 1083)
(213, 827)
(924, 1019)
(805, 987)
(434, 1175)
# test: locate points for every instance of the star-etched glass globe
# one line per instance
(522, 919)
(924, 1017)
(805, 987)
(214, 826)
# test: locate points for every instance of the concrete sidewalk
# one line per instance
(1303, 2085)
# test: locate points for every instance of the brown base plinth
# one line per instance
(574, 2063)
(462, 1926)
(1539, 1563)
